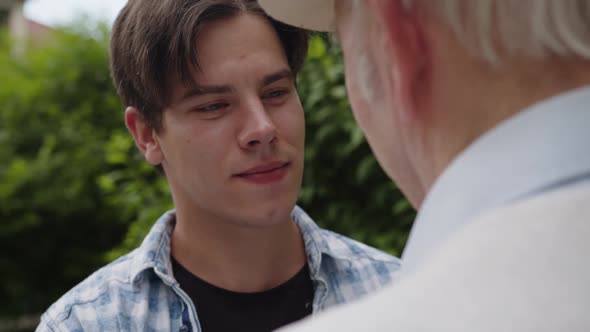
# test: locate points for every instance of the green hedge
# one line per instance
(57, 111)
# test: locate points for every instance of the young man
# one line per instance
(212, 101)
(480, 111)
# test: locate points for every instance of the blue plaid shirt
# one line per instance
(138, 292)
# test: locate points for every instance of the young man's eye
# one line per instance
(211, 107)
(276, 94)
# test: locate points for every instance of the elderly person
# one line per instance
(480, 112)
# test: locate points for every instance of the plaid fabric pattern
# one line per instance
(138, 292)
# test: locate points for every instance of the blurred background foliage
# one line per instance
(75, 194)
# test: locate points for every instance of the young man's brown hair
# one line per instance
(153, 41)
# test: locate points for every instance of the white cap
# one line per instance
(315, 15)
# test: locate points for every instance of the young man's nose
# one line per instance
(258, 127)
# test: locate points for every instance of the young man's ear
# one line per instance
(403, 49)
(144, 136)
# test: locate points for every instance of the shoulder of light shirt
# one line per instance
(517, 268)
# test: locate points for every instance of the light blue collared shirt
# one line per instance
(544, 147)
(138, 292)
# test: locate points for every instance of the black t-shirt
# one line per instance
(221, 310)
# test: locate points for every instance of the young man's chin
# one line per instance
(267, 215)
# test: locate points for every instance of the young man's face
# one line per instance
(232, 145)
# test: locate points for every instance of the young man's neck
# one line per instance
(235, 257)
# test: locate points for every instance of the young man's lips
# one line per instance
(265, 173)
(264, 168)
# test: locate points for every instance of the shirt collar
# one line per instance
(315, 243)
(154, 252)
(537, 148)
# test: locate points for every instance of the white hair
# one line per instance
(366, 69)
(493, 29)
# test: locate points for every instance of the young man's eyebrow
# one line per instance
(199, 90)
(277, 76)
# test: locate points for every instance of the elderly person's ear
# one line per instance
(404, 50)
